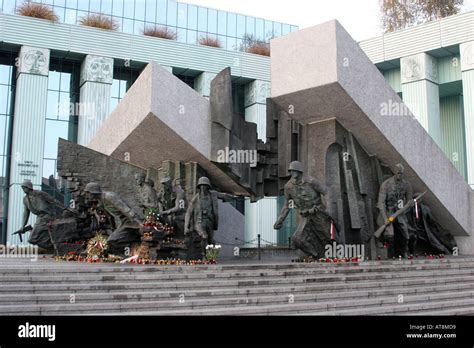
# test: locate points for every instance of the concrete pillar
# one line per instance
(467, 68)
(96, 84)
(420, 91)
(202, 83)
(259, 216)
(256, 94)
(28, 131)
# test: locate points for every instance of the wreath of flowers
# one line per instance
(97, 246)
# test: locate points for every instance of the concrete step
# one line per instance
(338, 291)
(141, 286)
(209, 299)
(245, 275)
(41, 266)
(146, 273)
(208, 276)
(380, 306)
(366, 288)
(301, 304)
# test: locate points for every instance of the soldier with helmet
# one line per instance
(172, 205)
(202, 215)
(307, 196)
(146, 192)
(126, 222)
(394, 194)
(46, 209)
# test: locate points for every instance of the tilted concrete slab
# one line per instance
(321, 72)
(161, 118)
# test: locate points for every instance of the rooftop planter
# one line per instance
(251, 44)
(99, 20)
(210, 41)
(160, 32)
(37, 10)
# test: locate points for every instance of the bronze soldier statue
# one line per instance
(148, 197)
(394, 194)
(307, 196)
(172, 205)
(46, 209)
(202, 215)
(125, 221)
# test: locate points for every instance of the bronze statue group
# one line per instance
(403, 219)
(95, 210)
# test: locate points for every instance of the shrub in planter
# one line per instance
(251, 44)
(160, 32)
(99, 20)
(210, 41)
(37, 10)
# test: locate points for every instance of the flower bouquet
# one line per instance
(154, 228)
(212, 252)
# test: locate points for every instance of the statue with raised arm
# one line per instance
(316, 228)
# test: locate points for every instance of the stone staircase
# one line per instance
(418, 287)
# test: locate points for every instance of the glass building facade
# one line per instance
(189, 22)
(63, 94)
(6, 99)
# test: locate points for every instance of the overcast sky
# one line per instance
(359, 17)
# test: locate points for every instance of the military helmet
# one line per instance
(165, 179)
(27, 183)
(93, 188)
(297, 166)
(203, 181)
(399, 168)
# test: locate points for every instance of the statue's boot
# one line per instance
(404, 249)
(412, 246)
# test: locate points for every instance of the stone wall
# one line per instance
(80, 164)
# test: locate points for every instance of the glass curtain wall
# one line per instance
(189, 22)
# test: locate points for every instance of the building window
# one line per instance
(119, 88)
(123, 80)
(61, 121)
(132, 15)
(6, 92)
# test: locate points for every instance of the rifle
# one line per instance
(394, 216)
(22, 231)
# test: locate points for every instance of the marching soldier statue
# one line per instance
(146, 192)
(394, 197)
(316, 228)
(172, 205)
(46, 209)
(202, 215)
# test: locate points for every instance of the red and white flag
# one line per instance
(331, 232)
